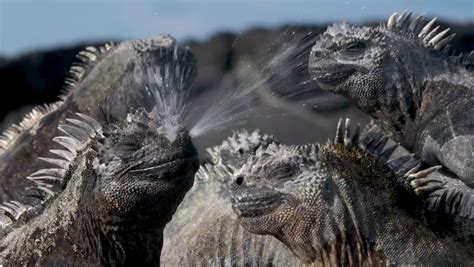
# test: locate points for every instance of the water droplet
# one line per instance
(280, 66)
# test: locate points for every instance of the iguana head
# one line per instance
(273, 190)
(118, 79)
(301, 194)
(380, 66)
(140, 175)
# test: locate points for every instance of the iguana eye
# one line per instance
(281, 172)
(354, 46)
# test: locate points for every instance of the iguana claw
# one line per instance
(423, 185)
(424, 173)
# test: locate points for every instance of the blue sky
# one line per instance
(30, 24)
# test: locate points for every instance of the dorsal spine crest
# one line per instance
(78, 134)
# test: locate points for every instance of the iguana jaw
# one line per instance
(159, 170)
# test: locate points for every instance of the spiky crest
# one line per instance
(88, 58)
(373, 141)
(241, 142)
(340, 32)
(276, 153)
(9, 136)
(431, 37)
(220, 172)
(49, 182)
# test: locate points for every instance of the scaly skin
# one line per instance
(205, 231)
(402, 74)
(338, 204)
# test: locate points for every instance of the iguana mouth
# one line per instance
(163, 166)
(332, 76)
(258, 204)
(182, 159)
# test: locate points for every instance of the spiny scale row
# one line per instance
(344, 135)
(10, 135)
(209, 172)
(374, 143)
(78, 134)
(425, 32)
(11, 211)
(241, 141)
(88, 58)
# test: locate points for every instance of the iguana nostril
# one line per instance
(239, 180)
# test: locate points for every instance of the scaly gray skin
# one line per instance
(107, 84)
(116, 179)
(105, 199)
(205, 231)
(403, 74)
(337, 205)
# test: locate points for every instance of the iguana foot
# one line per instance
(442, 192)
(424, 185)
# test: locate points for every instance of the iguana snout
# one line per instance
(254, 202)
(178, 159)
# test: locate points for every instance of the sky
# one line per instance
(34, 24)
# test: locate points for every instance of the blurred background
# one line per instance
(230, 39)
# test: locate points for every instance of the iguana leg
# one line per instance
(443, 193)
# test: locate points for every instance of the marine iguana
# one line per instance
(338, 204)
(205, 231)
(107, 84)
(106, 195)
(105, 199)
(405, 76)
